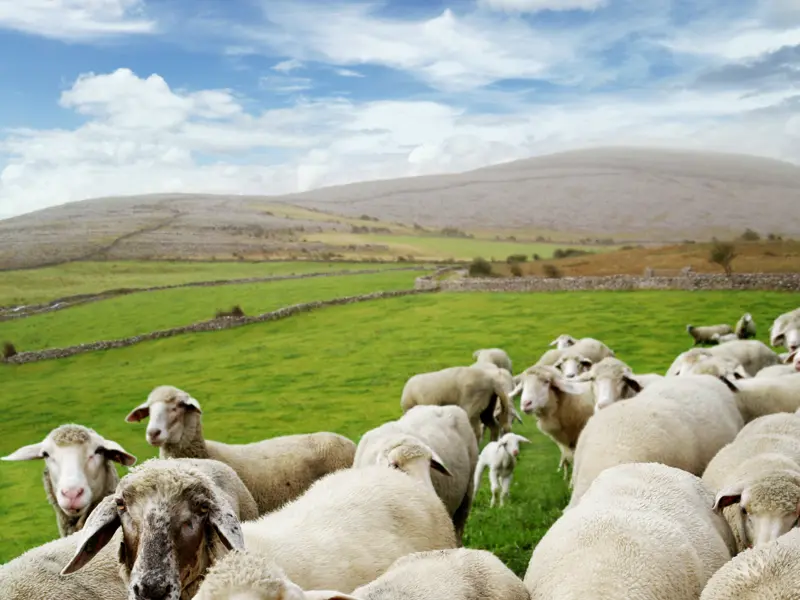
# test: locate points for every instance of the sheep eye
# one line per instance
(45, 455)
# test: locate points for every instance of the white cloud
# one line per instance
(734, 42)
(533, 6)
(284, 85)
(285, 66)
(142, 136)
(348, 73)
(75, 19)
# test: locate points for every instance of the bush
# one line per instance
(536, 257)
(9, 350)
(516, 258)
(480, 267)
(551, 271)
(569, 252)
(516, 271)
(235, 312)
(750, 236)
(722, 254)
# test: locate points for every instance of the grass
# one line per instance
(342, 369)
(135, 314)
(431, 247)
(45, 284)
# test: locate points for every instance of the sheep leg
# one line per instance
(495, 487)
(505, 482)
(460, 517)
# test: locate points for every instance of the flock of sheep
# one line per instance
(683, 486)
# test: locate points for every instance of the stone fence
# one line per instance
(210, 325)
(789, 282)
(69, 301)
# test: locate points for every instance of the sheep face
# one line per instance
(167, 408)
(511, 442)
(768, 508)
(75, 465)
(563, 341)
(572, 366)
(175, 523)
(786, 332)
(612, 388)
(540, 387)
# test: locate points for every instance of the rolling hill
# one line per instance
(628, 194)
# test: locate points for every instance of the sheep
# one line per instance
(447, 432)
(716, 366)
(722, 339)
(501, 458)
(478, 389)
(612, 380)
(351, 525)
(776, 371)
(562, 407)
(753, 355)
(581, 356)
(678, 421)
(745, 327)
(563, 341)
(767, 572)
(456, 574)
(495, 356)
(704, 334)
(760, 471)
(548, 359)
(785, 331)
(642, 531)
(78, 471)
(275, 470)
(35, 574)
(177, 515)
(761, 396)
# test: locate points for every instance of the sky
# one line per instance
(117, 97)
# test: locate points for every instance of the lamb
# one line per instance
(495, 356)
(479, 390)
(745, 327)
(562, 407)
(642, 531)
(704, 334)
(78, 471)
(581, 356)
(447, 433)
(501, 458)
(767, 572)
(176, 515)
(760, 472)
(613, 380)
(456, 574)
(275, 470)
(351, 525)
(761, 396)
(563, 341)
(785, 331)
(681, 422)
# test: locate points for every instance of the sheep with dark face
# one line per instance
(78, 471)
(746, 327)
(705, 334)
(178, 516)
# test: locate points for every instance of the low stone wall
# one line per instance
(70, 301)
(789, 282)
(211, 325)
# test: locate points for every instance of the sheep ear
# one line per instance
(30, 452)
(437, 464)
(632, 383)
(568, 387)
(516, 415)
(740, 373)
(726, 380)
(727, 497)
(792, 355)
(137, 414)
(225, 522)
(192, 404)
(517, 389)
(113, 451)
(103, 521)
(521, 439)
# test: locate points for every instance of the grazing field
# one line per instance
(135, 314)
(342, 369)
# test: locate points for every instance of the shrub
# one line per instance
(750, 236)
(536, 257)
(9, 350)
(568, 252)
(516, 271)
(480, 266)
(722, 254)
(551, 271)
(235, 312)
(516, 258)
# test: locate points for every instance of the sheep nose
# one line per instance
(72, 494)
(152, 591)
(154, 434)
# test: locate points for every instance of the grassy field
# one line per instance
(342, 369)
(134, 314)
(45, 284)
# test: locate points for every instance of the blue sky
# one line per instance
(106, 97)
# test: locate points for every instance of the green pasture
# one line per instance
(139, 313)
(42, 285)
(342, 369)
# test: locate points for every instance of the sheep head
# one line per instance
(612, 380)
(75, 465)
(175, 522)
(412, 456)
(541, 388)
(170, 410)
(572, 364)
(785, 331)
(563, 341)
(511, 442)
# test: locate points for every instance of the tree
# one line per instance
(722, 254)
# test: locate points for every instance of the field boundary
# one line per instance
(789, 282)
(78, 299)
(209, 325)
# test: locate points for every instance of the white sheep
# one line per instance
(78, 471)
(495, 356)
(745, 327)
(581, 356)
(752, 355)
(561, 406)
(704, 334)
(563, 341)
(756, 479)
(767, 572)
(761, 396)
(351, 525)
(678, 421)
(717, 366)
(501, 458)
(455, 574)
(722, 339)
(275, 470)
(612, 380)
(791, 366)
(643, 531)
(447, 432)
(785, 330)
(481, 390)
